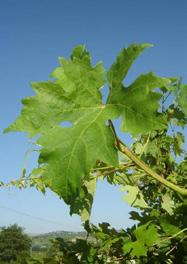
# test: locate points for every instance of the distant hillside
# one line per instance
(43, 241)
(64, 234)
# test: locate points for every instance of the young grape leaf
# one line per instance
(182, 99)
(137, 248)
(82, 204)
(168, 228)
(134, 197)
(167, 203)
(147, 233)
(146, 236)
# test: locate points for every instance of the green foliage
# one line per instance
(138, 103)
(134, 197)
(146, 236)
(14, 245)
(77, 99)
(153, 172)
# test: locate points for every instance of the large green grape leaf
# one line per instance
(138, 103)
(68, 153)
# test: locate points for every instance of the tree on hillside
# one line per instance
(14, 245)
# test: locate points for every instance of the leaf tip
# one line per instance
(148, 45)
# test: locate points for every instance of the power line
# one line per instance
(37, 218)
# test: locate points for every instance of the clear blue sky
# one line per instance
(32, 35)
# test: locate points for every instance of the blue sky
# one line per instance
(32, 36)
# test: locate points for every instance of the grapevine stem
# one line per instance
(109, 168)
(175, 235)
(103, 172)
(149, 171)
(132, 156)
